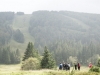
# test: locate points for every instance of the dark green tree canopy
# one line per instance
(9, 57)
(47, 61)
(30, 51)
(98, 63)
(18, 36)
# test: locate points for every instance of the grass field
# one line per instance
(15, 70)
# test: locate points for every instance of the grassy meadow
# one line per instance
(15, 70)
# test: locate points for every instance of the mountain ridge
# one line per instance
(45, 27)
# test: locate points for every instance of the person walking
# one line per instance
(64, 66)
(90, 65)
(78, 65)
(68, 66)
(75, 65)
(60, 66)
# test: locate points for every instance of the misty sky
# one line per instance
(29, 6)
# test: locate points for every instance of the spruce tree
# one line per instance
(12, 57)
(47, 61)
(18, 53)
(5, 57)
(30, 52)
(98, 63)
(17, 56)
(7, 60)
(0, 56)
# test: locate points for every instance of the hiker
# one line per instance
(68, 66)
(90, 65)
(75, 66)
(78, 65)
(64, 66)
(60, 66)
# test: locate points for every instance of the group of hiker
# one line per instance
(66, 66)
(77, 66)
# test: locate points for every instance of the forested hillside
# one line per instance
(6, 31)
(52, 26)
(70, 36)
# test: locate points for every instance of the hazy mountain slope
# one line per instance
(6, 19)
(21, 22)
(47, 26)
(44, 27)
(92, 20)
(66, 34)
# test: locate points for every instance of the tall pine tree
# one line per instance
(13, 57)
(18, 52)
(5, 57)
(30, 52)
(17, 56)
(0, 55)
(47, 61)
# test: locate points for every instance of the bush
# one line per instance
(98, 63)
(95, 69)
(31, 64)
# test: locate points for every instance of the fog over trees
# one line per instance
(70, 36)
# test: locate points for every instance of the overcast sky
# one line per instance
(29, 6)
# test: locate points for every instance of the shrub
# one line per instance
(72, 72)
(98, 63)
(95, 69)
(31, 64)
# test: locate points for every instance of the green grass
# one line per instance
(15, 70)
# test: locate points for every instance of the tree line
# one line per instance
(44, 61)
(68, 35)
(71, 51)
(46, 27)
(6, 31)
(9, 57)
